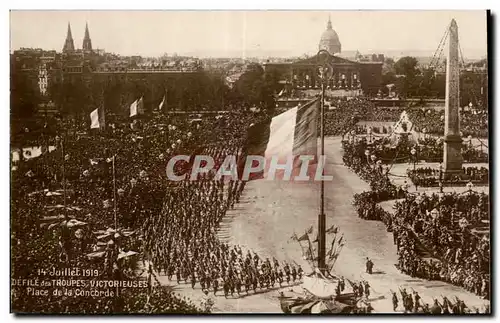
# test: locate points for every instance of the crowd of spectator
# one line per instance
(432, 177)
(443, 237)
(472, 122)
(439, 237)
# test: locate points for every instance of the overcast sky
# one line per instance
(240, 33)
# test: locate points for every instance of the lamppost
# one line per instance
(413, 152)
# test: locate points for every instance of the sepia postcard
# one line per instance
(222, 162)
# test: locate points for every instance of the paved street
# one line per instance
(270, 212)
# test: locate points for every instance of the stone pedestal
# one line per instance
(452, 155)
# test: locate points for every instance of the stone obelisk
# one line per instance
(452, 139)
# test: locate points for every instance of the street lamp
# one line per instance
(413, 152)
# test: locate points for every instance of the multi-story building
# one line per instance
(348, 78)
(77, 80)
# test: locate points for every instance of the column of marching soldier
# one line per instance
(411, 302)
(185, 248)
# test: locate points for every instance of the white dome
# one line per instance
(330, 40)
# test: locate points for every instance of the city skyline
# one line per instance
(243, 33)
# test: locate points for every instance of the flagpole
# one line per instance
(322, 216)
(63, 175)
(114, 191)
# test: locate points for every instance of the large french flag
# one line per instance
(291, 134)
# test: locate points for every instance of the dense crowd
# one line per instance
(404, 149)
(437, 238)
(345, 116)
(472, 122)
(429, 177)
(451, 233)
(71, 222)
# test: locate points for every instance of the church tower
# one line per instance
(87, 43)
(69, 46)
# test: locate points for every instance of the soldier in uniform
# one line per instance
(207, 281)
(409, 302)
(287, 273)
(355, 290)
(300, 272)
(280, 277)
(254, 283)
(202, 281)
(215, 284)
(237, 282)
(225, 286)
(231, 285)
(462, 306)
(276, 264)
(360, 289)
(178, 275)
(369, 266)
(436, 308)
(294, 274)
(341, 283)
(446, 304)
(417, 302)
(395, 301)
(367, 288)
(248, 283)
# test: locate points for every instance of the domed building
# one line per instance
(330, 40)
(349, 78)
